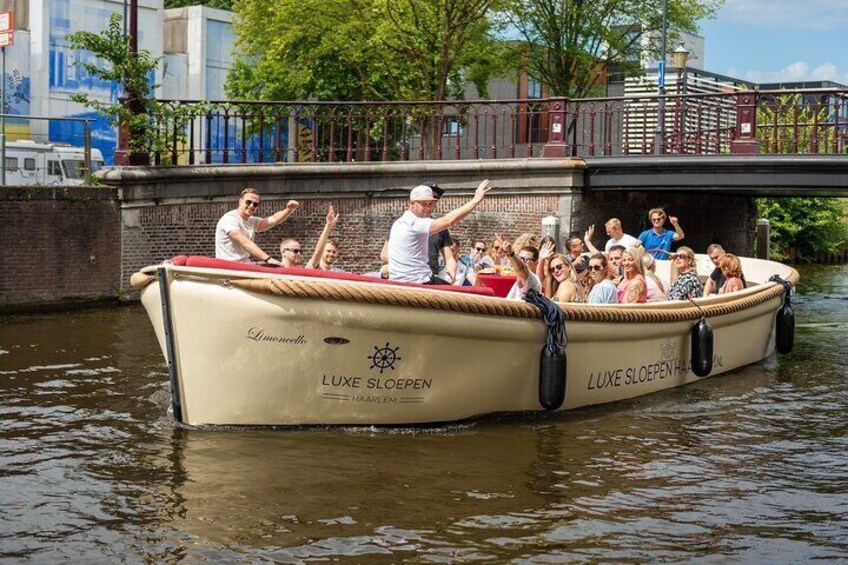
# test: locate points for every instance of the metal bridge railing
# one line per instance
(798, 121)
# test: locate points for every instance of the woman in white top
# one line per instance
(603, 290)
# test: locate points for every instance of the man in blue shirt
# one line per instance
(657, 240)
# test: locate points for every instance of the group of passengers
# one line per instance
(420, 249)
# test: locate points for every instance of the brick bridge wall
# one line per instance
(145, 216)
(170, 212)
(61, 246)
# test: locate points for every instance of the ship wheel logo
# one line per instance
(384, 357)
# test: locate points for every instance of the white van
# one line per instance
(28, 162)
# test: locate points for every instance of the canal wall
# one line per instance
(61, 247)
(80, 244)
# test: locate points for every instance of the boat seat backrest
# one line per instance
(211, 263)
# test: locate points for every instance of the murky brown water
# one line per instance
(752, 467)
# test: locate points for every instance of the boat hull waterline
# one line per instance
(242, 357)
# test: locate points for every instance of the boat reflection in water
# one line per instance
(491, 488)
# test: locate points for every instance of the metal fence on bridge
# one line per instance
(797, 121)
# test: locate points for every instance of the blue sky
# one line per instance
(779, 40)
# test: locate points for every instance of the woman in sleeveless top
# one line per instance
(731, 268)
(632, 289)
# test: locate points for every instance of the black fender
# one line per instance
(702, 348)
(785, 327)
(784, 322)
(553, 367)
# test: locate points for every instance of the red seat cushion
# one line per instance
(210, 263)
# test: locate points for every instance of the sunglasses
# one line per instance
(679, 256)
(480, 249)
(526, 259)
(558, 267)
(595, 267)
(251, 203)
(496, 247)
(658, 219)
(295, 251)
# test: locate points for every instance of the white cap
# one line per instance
(421, 192)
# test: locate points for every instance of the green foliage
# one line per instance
(811, 225)
(571, 44)
(362, 49)
(792, 124)
(220, 4)
(152, 123)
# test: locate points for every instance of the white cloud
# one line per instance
(789, 14)
(799, 71)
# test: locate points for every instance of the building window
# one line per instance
(534, 88)
(451, 126)
(11, 164)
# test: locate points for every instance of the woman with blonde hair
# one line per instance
(656, 290)
(731, 268)
(632, 289)
(558, 280)
(525, 240)
(685, 282)
(497, 253)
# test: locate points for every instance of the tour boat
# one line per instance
(253, 345)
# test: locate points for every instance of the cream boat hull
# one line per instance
(240, 357)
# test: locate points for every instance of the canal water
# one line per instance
(750, 467)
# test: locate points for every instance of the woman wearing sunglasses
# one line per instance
(632, 289)
(558, 280)
(603, 290)
(686, 283)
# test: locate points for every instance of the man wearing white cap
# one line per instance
(408, 240)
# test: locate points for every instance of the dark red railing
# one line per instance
(803, 121)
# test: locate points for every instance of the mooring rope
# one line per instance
(472, 304)
(554, 317)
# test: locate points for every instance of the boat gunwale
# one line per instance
(310, 287)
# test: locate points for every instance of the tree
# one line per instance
(384, 50)
(220, 4)
(362, 49)
(570, 45)
(153, 125)
(811, 225)
(793, 124)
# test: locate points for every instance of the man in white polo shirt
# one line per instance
(408, 240)
(235, 230)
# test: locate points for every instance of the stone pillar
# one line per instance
(746, 142)
(558, 116)
(550, 227)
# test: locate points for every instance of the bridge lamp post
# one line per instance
(679, 57)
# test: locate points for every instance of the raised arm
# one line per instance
(279, 217)
(457, 214)
(520, 268)
(587, 239)
(332, 218)
(678, 231)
